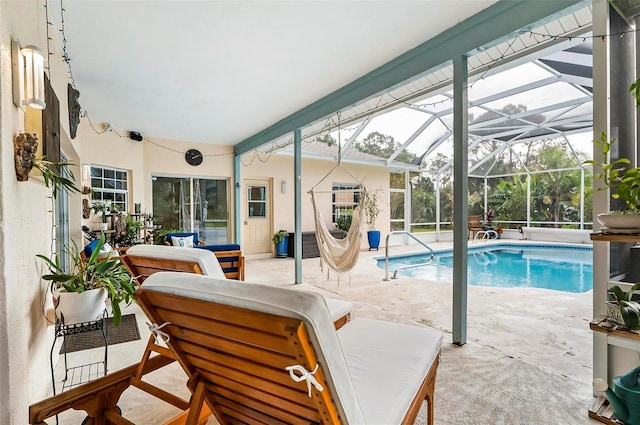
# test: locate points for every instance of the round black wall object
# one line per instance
(193, 157)
(134, 135)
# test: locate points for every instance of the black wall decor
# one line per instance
(74, 109)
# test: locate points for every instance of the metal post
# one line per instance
(237, 193)
(297, 171)
(460, 199)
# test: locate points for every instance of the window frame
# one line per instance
(97, 193)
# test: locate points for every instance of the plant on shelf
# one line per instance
(623, 182)
(127, 231)
(103, 208)
(629, 309)
(94, 272)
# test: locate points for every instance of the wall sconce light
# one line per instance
(28, 76)
(283, 186)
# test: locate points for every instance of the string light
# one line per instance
(65, 55)
(46, 14)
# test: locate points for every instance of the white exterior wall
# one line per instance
(280, 167)
(25, 227)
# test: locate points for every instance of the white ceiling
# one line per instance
(220, 71)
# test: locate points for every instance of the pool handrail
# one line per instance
(485, 235)
(386, 254)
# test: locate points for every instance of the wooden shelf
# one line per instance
(602, 411)
(615, 237)
(603, 325)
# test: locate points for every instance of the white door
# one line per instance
(257, 222)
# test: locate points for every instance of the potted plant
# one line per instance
(80, 293)
(499, 230)
(103, 208)
(488, 220)
(127, 230)
(624, 184)
(372, 211)
(281, 240)
(344, 222)
(621, 309)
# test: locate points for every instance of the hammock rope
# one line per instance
(340, 255)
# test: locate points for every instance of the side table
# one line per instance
(82, 373)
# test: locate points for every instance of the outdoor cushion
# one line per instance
(207, 262)
(211, 267)
(387, 362)
(182, 241)
(338, 308)
(170, 237)
(221, 247)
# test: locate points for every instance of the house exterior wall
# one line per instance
(25, 226)
(280, 168)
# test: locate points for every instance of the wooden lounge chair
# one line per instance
(145, 260)
(264, 354)
(475, 225)
(236, 344)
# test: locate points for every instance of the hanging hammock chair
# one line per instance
(340, 255)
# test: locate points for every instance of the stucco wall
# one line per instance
(25, 228)
(280, 167)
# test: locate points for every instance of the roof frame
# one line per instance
(494, 24)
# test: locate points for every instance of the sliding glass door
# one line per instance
(192, 205)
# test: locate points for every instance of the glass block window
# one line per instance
(110, 185)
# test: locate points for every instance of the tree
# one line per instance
(384, 146)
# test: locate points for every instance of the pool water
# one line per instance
(561, 268)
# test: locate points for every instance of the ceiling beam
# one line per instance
(487, 27)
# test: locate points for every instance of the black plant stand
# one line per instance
(86, 372)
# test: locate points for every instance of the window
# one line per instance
(344, 198)
(110, 184)
(257, 201)
(192, 205)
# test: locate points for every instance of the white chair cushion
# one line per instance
(307, 306)
(387, 363)
(205, 259)
(338, 308)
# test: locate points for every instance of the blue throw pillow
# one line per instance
(88, 250)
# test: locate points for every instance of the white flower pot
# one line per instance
(620, 223)
(74, 307)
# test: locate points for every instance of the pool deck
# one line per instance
(528, 354)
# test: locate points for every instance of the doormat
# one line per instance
(125, 332)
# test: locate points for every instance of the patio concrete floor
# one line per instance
(527, 359)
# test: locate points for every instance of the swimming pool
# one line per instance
(557, 267)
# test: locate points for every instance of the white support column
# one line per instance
(600, 197)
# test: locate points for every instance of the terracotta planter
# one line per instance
(74, 307)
